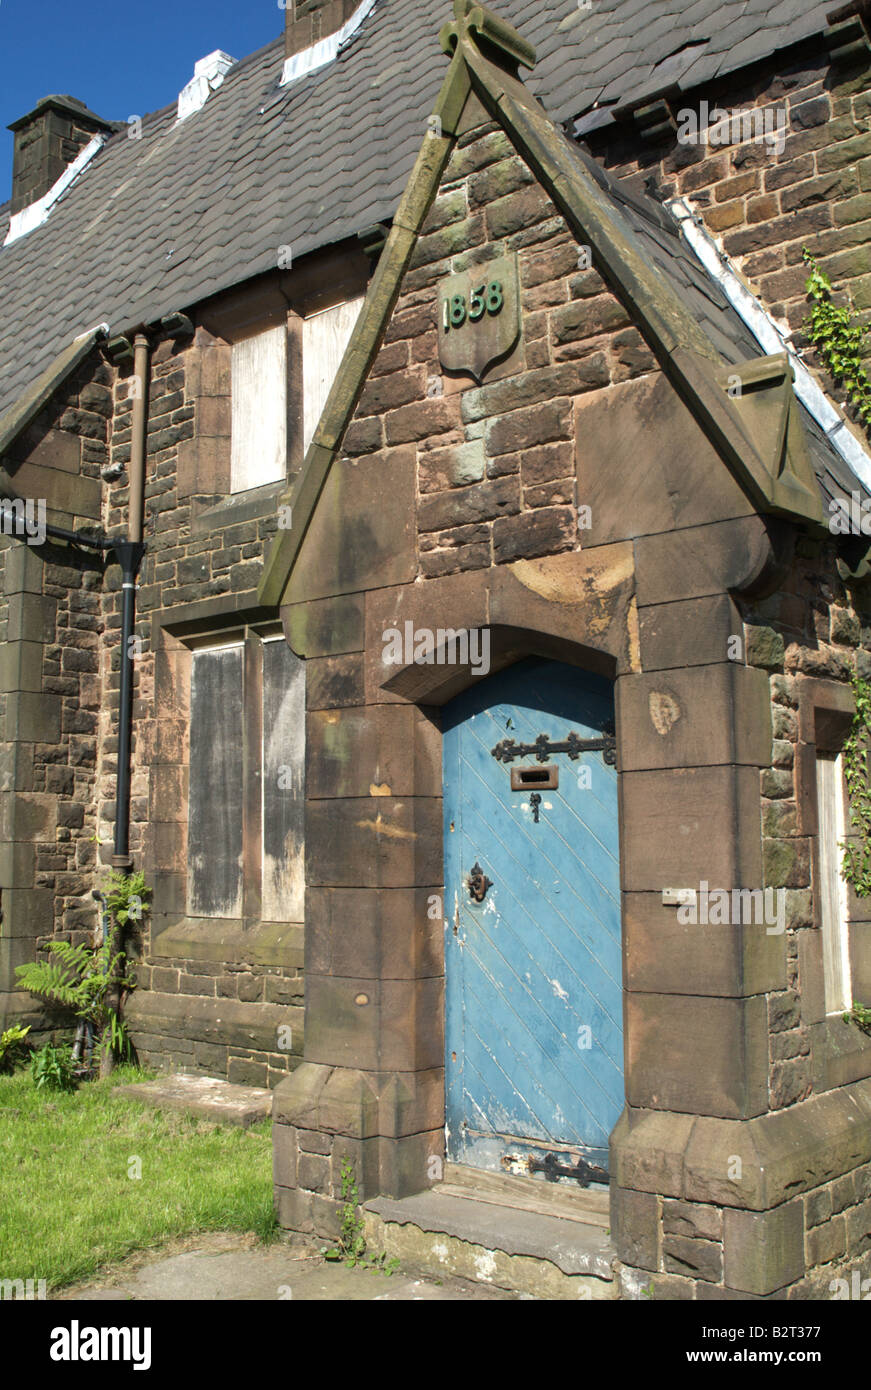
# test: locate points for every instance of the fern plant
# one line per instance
(79, 978)
(11, 1046)
(840, 339)
(127, 897)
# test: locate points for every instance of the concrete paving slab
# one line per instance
(276, 1273)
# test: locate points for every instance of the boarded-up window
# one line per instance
(259, 410)
(833, 895)
(215, 804)
(324, 339)
(247, 772)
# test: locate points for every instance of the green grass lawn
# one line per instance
(67, 1203)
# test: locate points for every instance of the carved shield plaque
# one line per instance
(479, 316)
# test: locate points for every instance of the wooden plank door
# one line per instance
(533, 1023)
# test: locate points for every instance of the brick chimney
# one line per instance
(308, 21)
(46, 141)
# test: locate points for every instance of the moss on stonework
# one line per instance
(764, 648)
(500, 179)
(799, 908)
(779, 862)
(482, 153)
(779, 818)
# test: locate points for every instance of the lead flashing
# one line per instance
(209, 73)
(20, 223)
(326, 50)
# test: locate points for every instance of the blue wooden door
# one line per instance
(533, 1026)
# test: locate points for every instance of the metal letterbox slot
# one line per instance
(524, 779)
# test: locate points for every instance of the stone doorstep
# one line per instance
(224, 1102)
(531, 1252)
(590, 1205)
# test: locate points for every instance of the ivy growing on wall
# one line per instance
(839, 338)
(856, 866)
(859, 1015)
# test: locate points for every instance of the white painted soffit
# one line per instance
(20, 223)
(209, 73)
(326, 50)
(771, 338)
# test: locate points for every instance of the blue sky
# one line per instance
(120, 59)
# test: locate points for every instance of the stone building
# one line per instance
(434, 465)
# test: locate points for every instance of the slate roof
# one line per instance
(159, 223)
(663, 247)
(634, 50)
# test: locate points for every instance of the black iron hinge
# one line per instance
(574, 745)
(584, 1172)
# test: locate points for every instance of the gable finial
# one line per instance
(495, 38)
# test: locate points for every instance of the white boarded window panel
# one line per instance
(324, 339)
(258, 452)
(215, 801)
(283, 880)
(833, 895)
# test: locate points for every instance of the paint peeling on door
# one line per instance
(521, 1084)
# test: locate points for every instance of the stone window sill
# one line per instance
(230, 941)
(254, 505)
(841, 1053)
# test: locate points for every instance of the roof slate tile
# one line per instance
(187, 209)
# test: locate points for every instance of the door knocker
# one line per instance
(478, 883)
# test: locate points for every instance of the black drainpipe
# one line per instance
(129, 555)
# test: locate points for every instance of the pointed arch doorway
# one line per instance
(533, 961)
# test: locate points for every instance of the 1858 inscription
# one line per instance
(479, 316)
